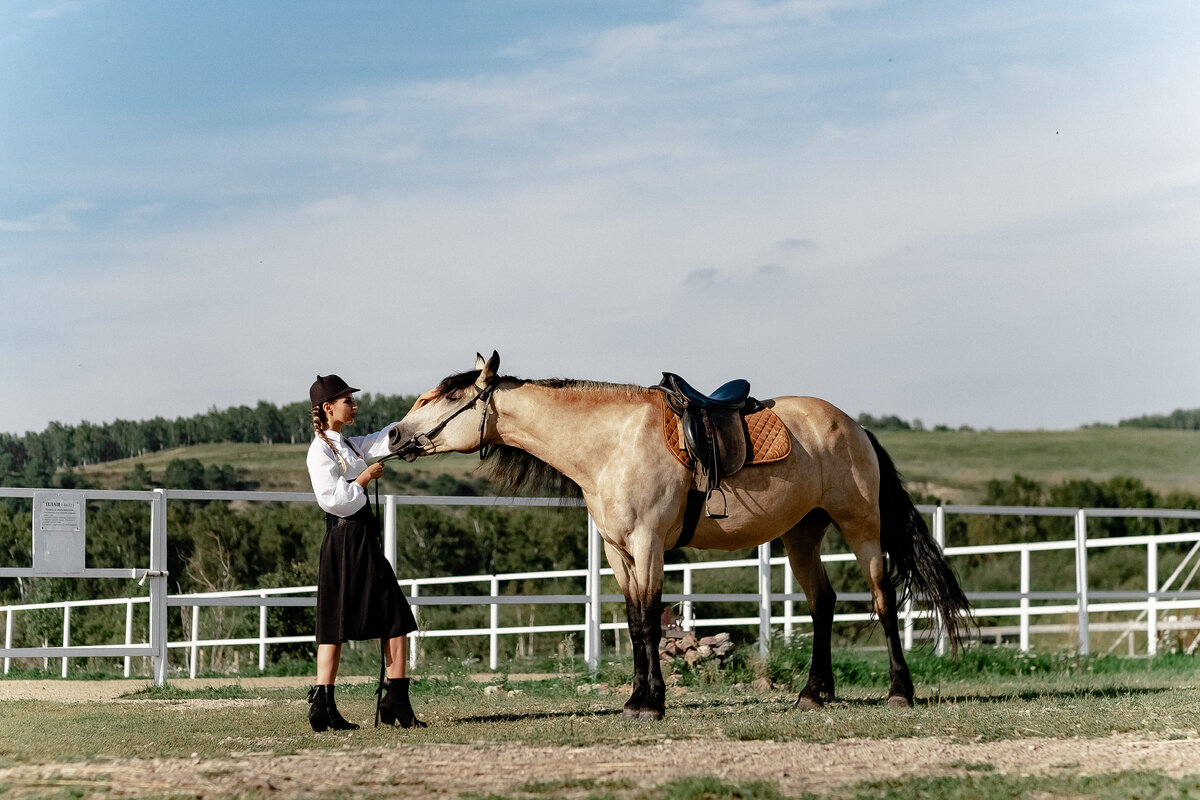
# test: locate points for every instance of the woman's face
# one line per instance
(340, 411)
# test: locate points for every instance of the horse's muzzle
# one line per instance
(410, 448)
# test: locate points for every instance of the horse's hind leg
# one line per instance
(803, 545)
(864, 541)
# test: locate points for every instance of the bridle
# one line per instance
(410, 450)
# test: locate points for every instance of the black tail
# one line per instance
(916, 564)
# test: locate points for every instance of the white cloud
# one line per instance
(974, 232)
(61, 218)
(59, 8)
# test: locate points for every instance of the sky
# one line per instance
(982, 214)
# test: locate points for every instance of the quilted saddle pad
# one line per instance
(767, 437)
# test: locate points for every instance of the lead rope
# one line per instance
(485, 395)
(382, 641)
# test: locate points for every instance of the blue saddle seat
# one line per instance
(727, 396)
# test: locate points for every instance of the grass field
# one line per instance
(994, 725)
(954, 465)
(957, 465)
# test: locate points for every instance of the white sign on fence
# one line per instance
(59, 531)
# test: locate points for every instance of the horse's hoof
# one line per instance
(900, 701)
(642, 714)
(808, 704)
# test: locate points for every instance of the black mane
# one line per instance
(512, 470)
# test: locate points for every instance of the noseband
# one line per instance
(410, 450)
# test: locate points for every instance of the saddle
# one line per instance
(721, 432)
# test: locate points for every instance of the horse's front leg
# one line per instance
(640, 578)
(648, 700)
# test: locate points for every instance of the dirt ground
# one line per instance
(450, 770)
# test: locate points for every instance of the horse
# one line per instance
(606, 441)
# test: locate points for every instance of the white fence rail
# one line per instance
(1158, 609)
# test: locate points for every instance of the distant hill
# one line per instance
(957, 465)
(954, 466)
(265, 448)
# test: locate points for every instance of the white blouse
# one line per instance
(336, 491)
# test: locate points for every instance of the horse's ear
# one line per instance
(487, 371)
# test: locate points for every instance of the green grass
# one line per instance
(979, 699)
(966, 787)
(957, 465)
(987, 695)
(975, 786)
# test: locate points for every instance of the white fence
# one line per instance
(1161, 607)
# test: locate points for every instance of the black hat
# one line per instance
(326, 388)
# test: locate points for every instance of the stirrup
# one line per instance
(724, 504)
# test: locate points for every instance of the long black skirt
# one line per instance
(358, 596)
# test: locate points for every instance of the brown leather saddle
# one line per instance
(716, 435)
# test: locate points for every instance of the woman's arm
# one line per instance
(335, 494)
(374, 445)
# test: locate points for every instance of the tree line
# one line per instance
(32, 460)
(1179, 419)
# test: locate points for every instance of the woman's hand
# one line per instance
(369, 474)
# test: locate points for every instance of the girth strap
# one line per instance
(691, 516)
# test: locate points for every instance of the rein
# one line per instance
(423, 441)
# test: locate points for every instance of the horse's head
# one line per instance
(452, 417)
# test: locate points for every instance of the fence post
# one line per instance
(494, 623)
(195, 650)
(908, 623)
(389, 530)
(415, 637)
(939, 627)
(1024, 645)
(1152, 598)
(1081, 579)
(764, 598)
(158, 585)
(689, 622)
(8, 619)
(66, 636)
(262, 634)
(789, 606)
(591, 638)
(128, 632)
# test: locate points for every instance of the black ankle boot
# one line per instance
(394, 707)
(323, 711)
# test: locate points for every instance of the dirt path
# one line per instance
(441, 770)
(450, 770)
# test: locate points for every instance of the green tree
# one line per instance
(139, 478)
(184, 473)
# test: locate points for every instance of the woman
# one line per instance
(357, 593)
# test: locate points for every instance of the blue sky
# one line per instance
(966, 213)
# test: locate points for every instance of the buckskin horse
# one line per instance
(608, 440)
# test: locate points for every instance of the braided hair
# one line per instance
(319, 425)
(318, 422)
